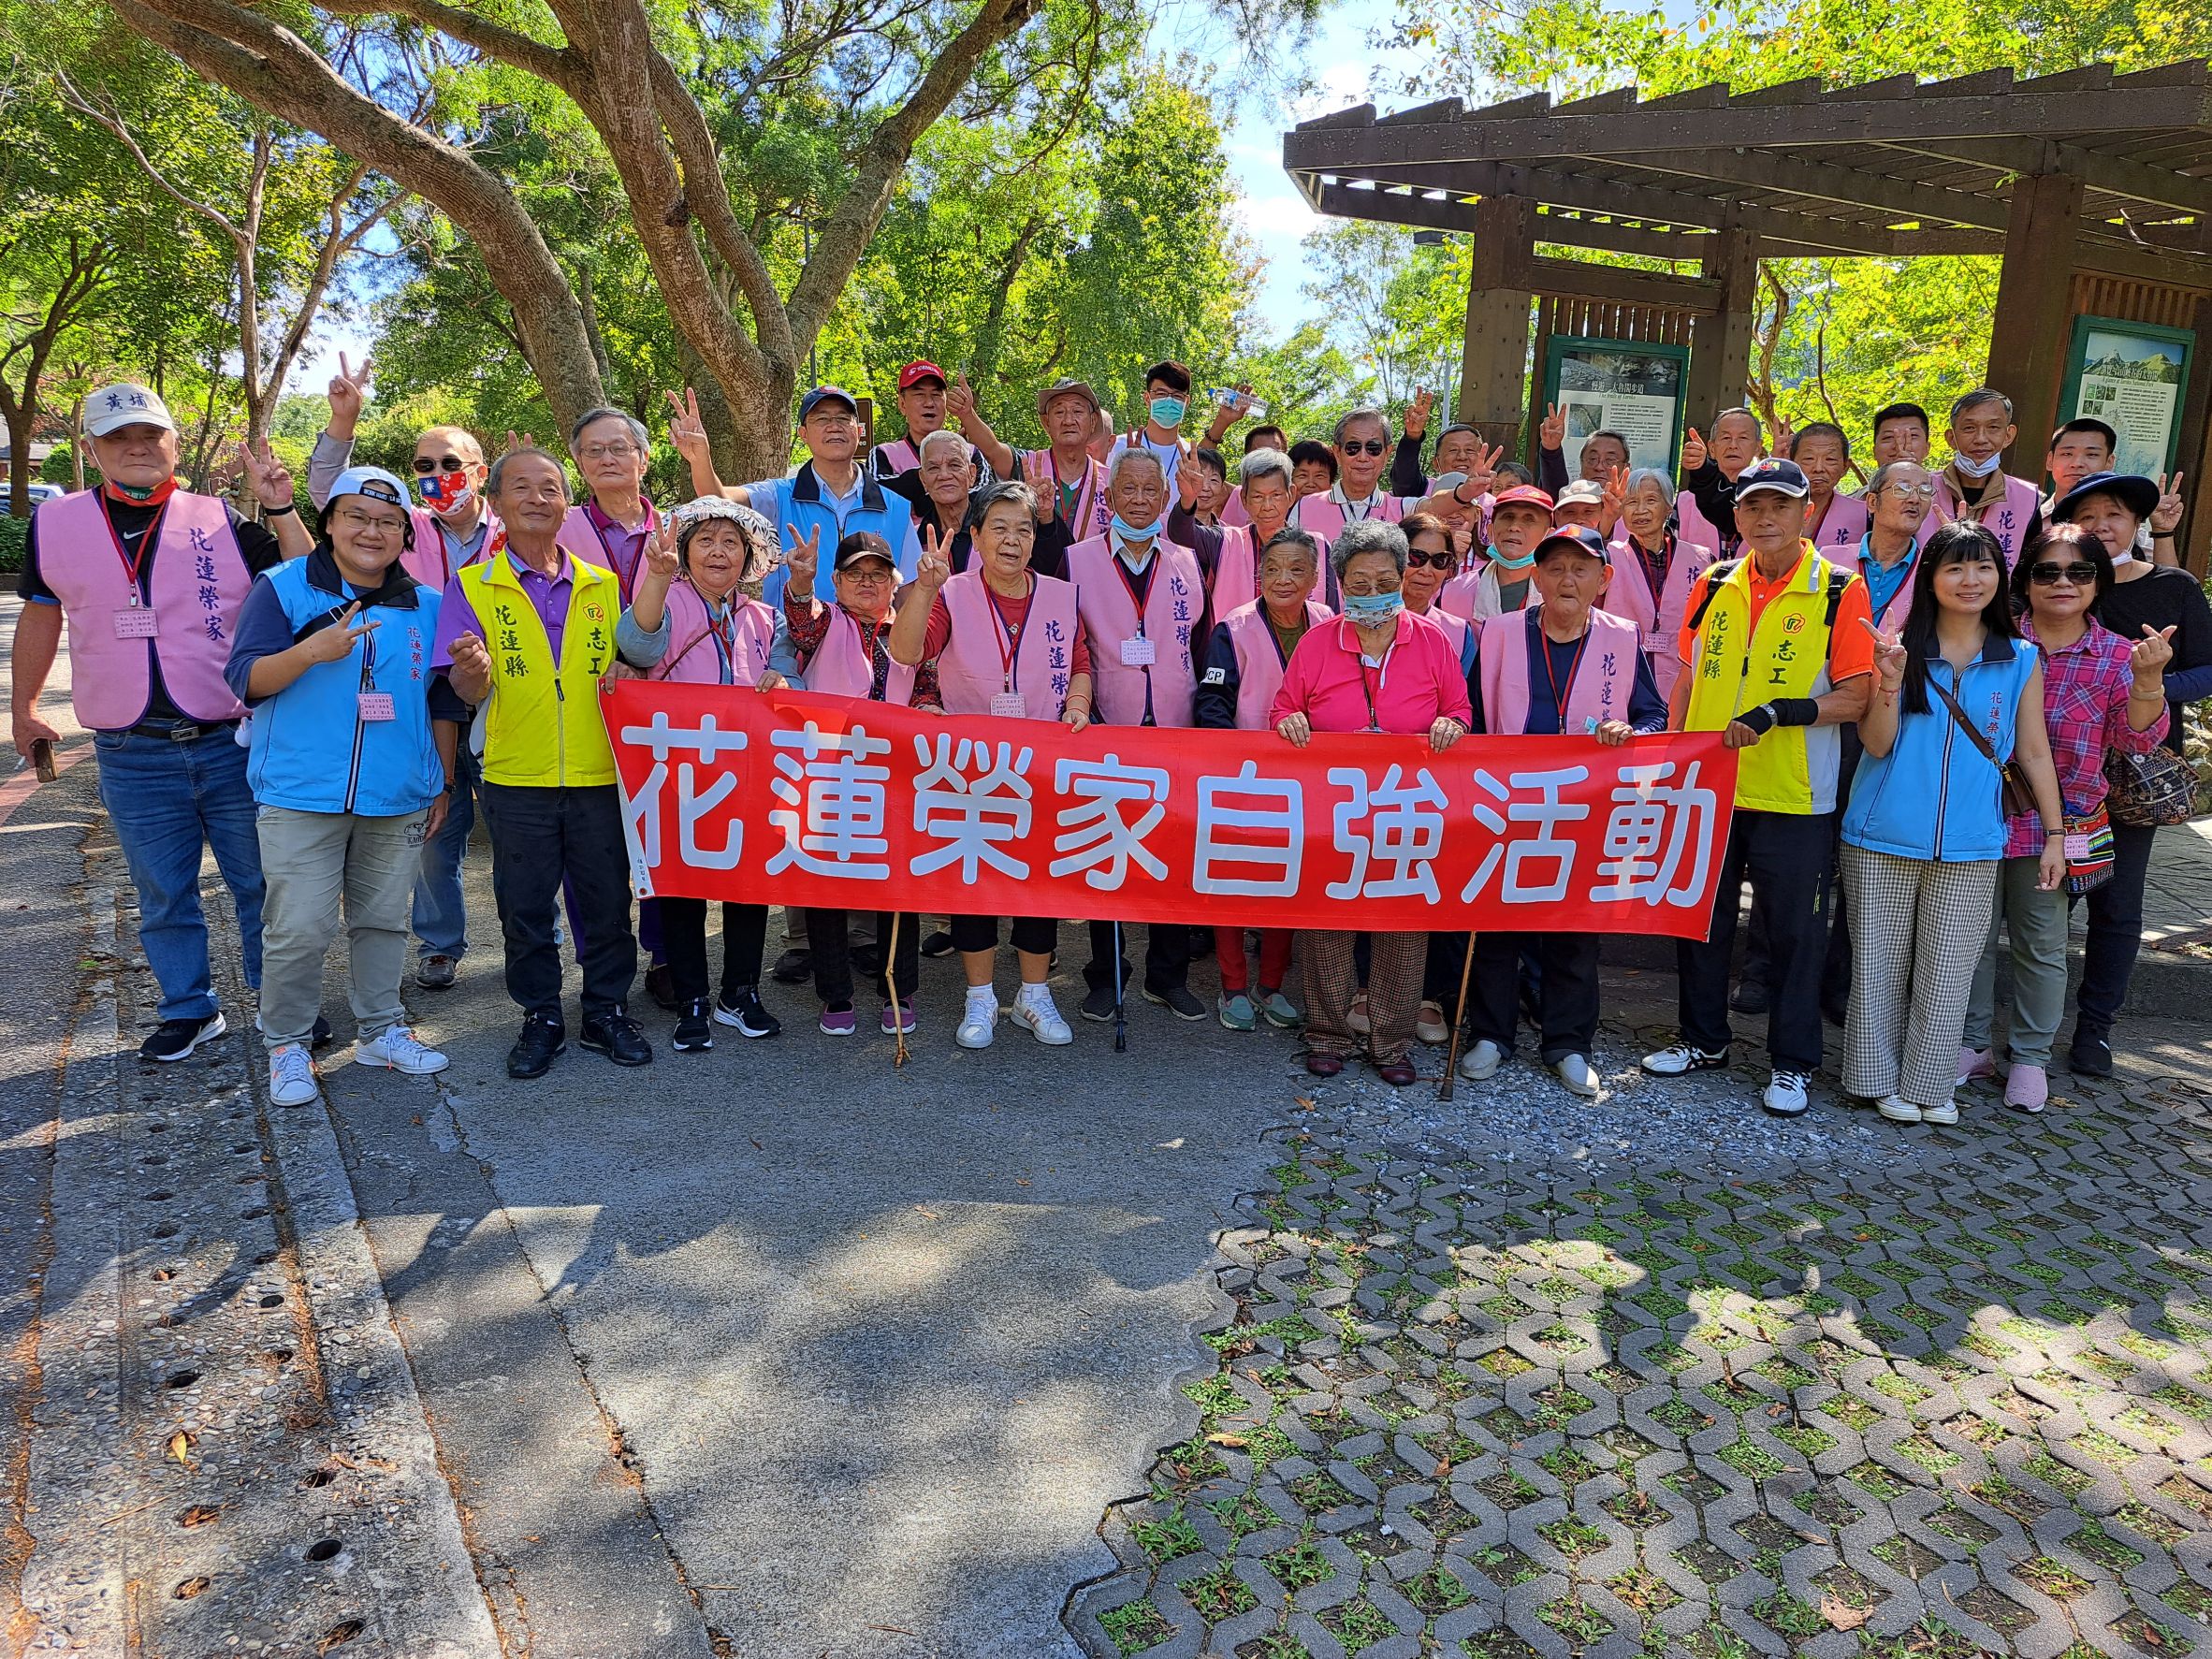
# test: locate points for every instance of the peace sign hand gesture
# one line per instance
(336, 643)
(517, 441)
(1483, 475)
(2167, 514)
(687, 432)
(804, 556)
(348, 391)
(661, 560)
(1693, 451)
(1616, 492)
(1037, 474)
(266, 476)
(935, 569)
(1416, 413)
(1889, 655)
(1552, 433)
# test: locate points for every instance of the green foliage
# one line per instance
(15, 542)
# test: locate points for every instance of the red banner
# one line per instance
(792, 798)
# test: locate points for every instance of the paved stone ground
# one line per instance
(1935, 1392)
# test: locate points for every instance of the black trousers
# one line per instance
(683, 930)
(1835, 978)
(832, 951)
(538, 837)
(1038, 935)
(1167, 955)
(1566, 1004)
(2116, 931)
(1440, 974)
(1785, 855)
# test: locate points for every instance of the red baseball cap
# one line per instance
(1524, 494)
(920, 370)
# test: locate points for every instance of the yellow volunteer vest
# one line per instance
(542, 725)
(1737, 669)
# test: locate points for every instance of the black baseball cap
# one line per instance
(1578, 538)
(1783, 477)
(864, 544)
(2133, 491)
(823, 394)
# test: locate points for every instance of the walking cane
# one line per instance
(1121, 1025)
(898, 1017)
(1459, 1019)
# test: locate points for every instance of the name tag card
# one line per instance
(1136, 653)
(137, 621)
(377, 705)
(1010, 705)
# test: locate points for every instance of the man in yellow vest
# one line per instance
(524, 636)
(1777, 648)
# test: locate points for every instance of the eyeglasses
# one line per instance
(620, 449)
(1443, 559)
(1913, 491)
(2048, 575)
(1363, 447)
(361, 520)
(425, 466)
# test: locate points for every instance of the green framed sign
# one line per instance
(2134, 377)
(1631, 387)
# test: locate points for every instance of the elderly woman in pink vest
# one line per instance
(1229, 554)
(1243, 671)
(844, 651)
(1006, 643)
(1563, 668)
(691, 621)
(1372, 669)
(1972, 485)
(149, 579)
(1652, 568)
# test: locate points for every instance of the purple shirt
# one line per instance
(547, 595)
(2085, 705)
(624, 549)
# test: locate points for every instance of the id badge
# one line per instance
(137, 621)
(376, 705)
(1137, 652)
(2077, 849)
(1010, 705)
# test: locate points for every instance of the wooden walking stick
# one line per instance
(1459, 1020)
(898, 1012)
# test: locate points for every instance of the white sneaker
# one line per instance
(398, 1050)
(291, 1076)
(1945, 1112)
(1785, 1093)
(1680, 1058)
(980, 1023)
(1578, 1075)
(1898, 1110)
(1480, 1063)
(1034, 1009)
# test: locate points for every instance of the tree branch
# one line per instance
(551, 64)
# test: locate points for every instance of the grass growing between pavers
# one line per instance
(1422, 1352)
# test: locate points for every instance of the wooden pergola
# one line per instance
(2094, 188)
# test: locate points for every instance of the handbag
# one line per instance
(2014, 794)
(2150, 789)
(2089, 852)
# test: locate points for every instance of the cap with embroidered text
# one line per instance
(914, 373)
(1775, 476)
(372, 482)
(124, 405)
(826, 394)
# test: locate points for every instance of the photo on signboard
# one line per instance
(1632, 388)
(2131, 376)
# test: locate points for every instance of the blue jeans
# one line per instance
(441, 919)
(168, 800)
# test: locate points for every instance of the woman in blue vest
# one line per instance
(333, 654)
(1956, 696)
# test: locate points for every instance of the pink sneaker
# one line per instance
(903, 1020)
(2026, 1088)
(838, 1022)
(1975, 1062)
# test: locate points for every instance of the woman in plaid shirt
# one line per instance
(2099, 692)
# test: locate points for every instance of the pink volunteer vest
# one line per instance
(427, 562)
(1596, 695)
(1090, 515)
(1840, 527)
(1172, 607)
(900, 456)
(2006, 518)
(582, 539)
(1236, 573)
(1318, 516)
(841, 667)
(693, 659)
(972, 669)
(1659, 621)
(1455, 628)
(199, 579)
(1260, 668)
(1892, 618)
(1692, 525)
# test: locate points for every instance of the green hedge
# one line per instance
(15, 535)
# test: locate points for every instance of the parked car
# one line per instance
(39, 492)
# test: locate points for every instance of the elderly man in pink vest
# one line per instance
(149, 579)
(612, 524)
(1561, 668)
(1971, 485)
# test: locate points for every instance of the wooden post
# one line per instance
(1494, 363)
(2193, 453)
(2031, 328)
(1721, 341)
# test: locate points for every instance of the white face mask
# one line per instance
(1974, 469)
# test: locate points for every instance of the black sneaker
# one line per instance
(936, 944)
(319, 1037)
(694, 1031)
(176, 1039)
(617, 1036)
(543, 1038)
(794, 967)
(1098, 1005)
(2088, 1056)
(1177, 1001)
(660, 986)
(742, 1009)
(1750, 998)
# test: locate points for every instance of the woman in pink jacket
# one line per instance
(1374, 668)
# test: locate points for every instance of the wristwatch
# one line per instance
(268, 512)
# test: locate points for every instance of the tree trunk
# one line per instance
(22, 418)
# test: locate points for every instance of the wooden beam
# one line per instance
(2112, 257)
(1493, 359)
(1767, 170)
(2116, 175)
(1576, 278)
(2029, 334)
(2193, 452)
(1721, 340)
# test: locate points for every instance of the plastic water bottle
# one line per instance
(1243, 402)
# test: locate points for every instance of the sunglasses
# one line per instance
(424, 466)
(1363, 447)
(1443, 559)
(2081, 575)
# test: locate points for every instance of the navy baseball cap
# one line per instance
(823, 394)
(2136, 493)
(1578, 538)
(1783, 477)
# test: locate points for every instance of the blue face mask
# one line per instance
(1371, 610)
(1499, 559)
(1134, 533)
(1170, 412)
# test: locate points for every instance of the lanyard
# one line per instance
(1071, 495)
(131, 562)
(1369, 687)
(1560, 694)
(1137, 601)
(1010, 637)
